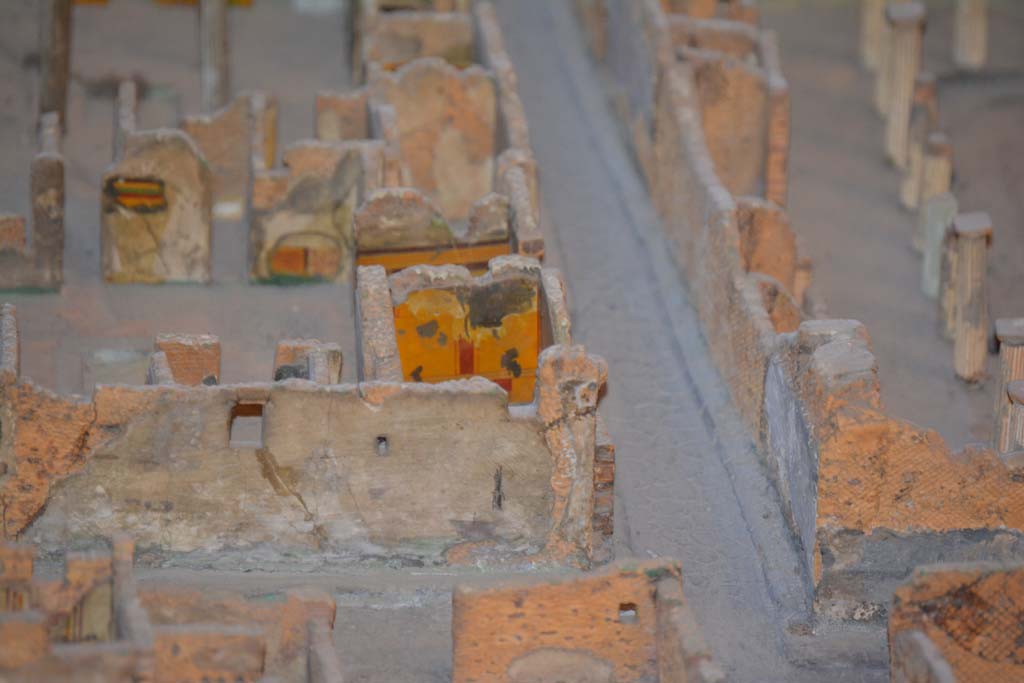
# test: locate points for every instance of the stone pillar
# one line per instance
(213, 54)
(922, 121)
(935, 220)
(47, 189)
(938, 166)
(906, 22)
(55, 54)
(936, 175)
(1010, 333)
(568, 384)
(376, 339)
(125, 112)
(883, 74)
(872, 32)
(1014, 396)
(973, 237)
(970, 34)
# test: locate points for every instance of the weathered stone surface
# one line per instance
(400, 218)
(41, 437)
(446, 130)
(161, 458)
(378, 341)
(399, 38)
(156, 211)
(488, 219)
(629, 623)
(970, 615)
(229, 139)
(192, 359)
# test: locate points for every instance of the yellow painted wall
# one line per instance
(438, 340)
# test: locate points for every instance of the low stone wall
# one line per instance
(235, 140)
(868, 496)
(627, 623)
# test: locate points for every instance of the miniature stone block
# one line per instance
(300, 358)
(193, 359)
(399, 227)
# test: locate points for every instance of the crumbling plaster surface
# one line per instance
(159, 463)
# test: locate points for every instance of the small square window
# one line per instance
(627, 613)
(246, 429)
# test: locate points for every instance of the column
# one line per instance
(55, 54)
(1010, 333)
(921, 124)
(970, 345)
(213, 54)
(936, 177)
(970, 34)
(936, 215)
(906, 22)
(872, 32)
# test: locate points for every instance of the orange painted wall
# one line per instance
(438, 340)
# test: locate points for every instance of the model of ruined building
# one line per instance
(32, 252)
(626, 623)
(428, 163)
(333, 470)
(958, 623)
(98, 623)
(155, 203)
(869, 497)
